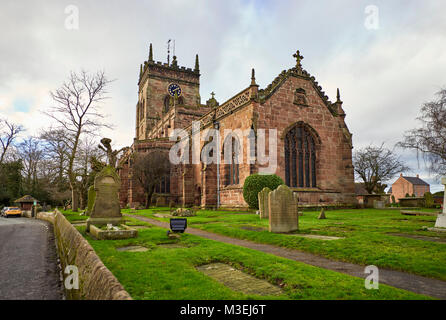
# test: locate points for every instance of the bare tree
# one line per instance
(31, 153)
(149, 168)
(430, 137)
(8, 133)
(55, 145)
(84, 175)
(375, 165)
(77, 113)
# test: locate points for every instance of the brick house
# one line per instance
(408, 185)
(314, 145)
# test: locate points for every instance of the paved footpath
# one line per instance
(28, 260)
(403, 280)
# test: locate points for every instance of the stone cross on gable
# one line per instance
(298, 58)
(212, 94)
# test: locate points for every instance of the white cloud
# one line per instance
(384, 75)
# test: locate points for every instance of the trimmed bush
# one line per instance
(255, 183)
(428, 200)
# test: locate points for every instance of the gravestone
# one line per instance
(283, 215)
(441, 218)
(322, 214)
(263, 203)
(90, 201)
(161, 201)
(378, 204)
(106, 209)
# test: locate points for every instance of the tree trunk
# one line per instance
(149, 198)
(82, 200)
(74, 200)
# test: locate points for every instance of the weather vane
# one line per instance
(168, 51)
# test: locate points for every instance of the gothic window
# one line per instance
(300, 157)
(166, 103)
(142, 110)
(167, 98)
(300, 97)
(231, 150)
(163, 186)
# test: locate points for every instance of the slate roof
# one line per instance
(416, 181)
(25, 199)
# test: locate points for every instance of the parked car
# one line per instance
(13, 211)
(2, 213)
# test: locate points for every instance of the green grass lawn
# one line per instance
(167, 273)
(73, 216)
(365, 231)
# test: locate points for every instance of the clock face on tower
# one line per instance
(174, 88)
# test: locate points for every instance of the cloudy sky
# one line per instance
(386, 62)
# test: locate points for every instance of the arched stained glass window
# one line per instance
(300, 157)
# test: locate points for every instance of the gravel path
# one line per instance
(28, 260)
(403, 280)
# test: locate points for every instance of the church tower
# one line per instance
(162, 86)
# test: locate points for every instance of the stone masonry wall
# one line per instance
(334, 170)
(96, 282)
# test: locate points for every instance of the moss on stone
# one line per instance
(91, 198)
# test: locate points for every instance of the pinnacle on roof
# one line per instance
(150, 53)
(197, 66)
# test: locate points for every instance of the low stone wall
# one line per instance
(47, 216)
(96, 282)
(26, 213)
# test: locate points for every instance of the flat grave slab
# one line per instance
(418, 213)
(133, 249)
(417, 237)
(316, 236)
(238, 280)
(162, 215)
(174, 245)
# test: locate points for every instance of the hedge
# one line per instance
(255, 183)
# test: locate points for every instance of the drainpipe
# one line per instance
(217, 127)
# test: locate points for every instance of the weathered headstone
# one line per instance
(378, 204)
(441, 218)
(90, 201)
(161, 201)
(283, 215)
(322, 214)
(106, 209)
(263, 203)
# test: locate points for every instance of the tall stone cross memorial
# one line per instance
(441, 218)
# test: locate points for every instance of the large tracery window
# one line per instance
(300, 157)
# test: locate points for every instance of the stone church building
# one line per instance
(314, 145)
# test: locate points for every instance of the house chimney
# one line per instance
(418, 176)
(401, 174)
